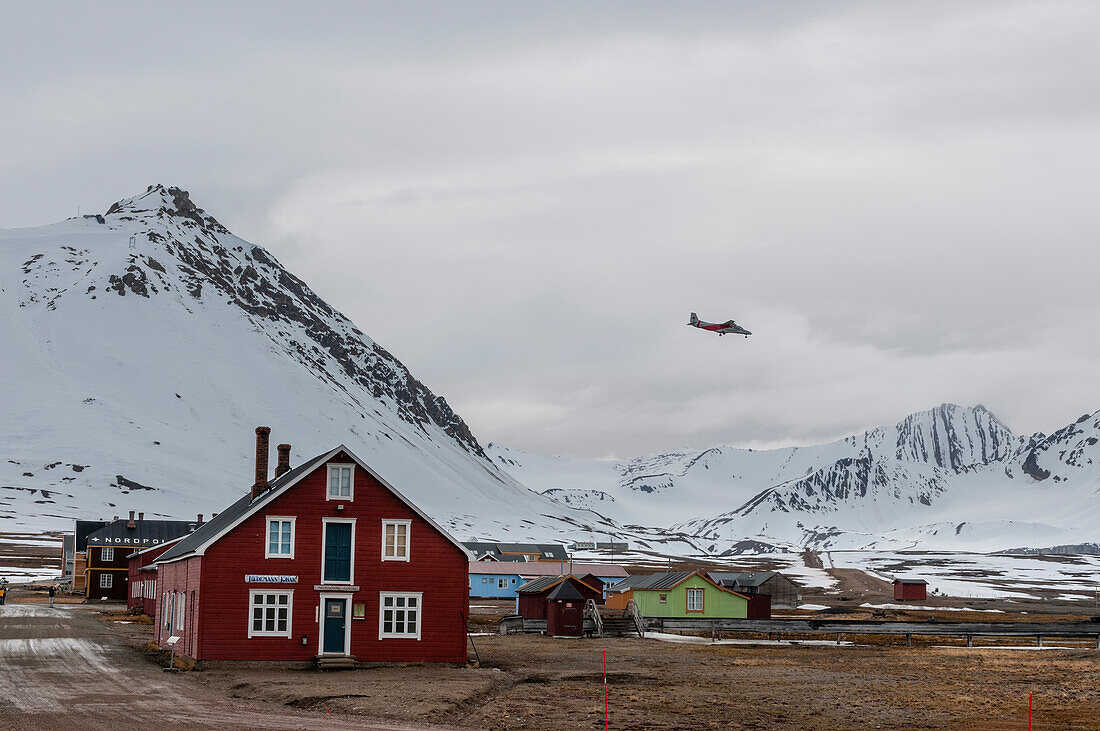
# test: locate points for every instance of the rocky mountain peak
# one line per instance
(953, 437)
(159, 201)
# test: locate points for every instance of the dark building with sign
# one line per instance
(328, 560)
(108, 564)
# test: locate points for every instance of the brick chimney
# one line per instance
(200, 518)
(284, 460)
(131, 524)
(263, 437)
(141, 516)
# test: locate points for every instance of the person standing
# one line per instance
(3, 592)
(53, 589)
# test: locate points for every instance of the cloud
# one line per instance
(524, 204)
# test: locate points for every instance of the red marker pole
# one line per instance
(605, 689)
(1028, 711)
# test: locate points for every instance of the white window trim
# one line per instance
(106, 580)
(324, 542)
(408, 539)
(180, 612)
(419, 614)
(289, 612)
(351, 481)
(106, 554)
(165, 612)
(693, 592)
(267, 536)
(321, 624)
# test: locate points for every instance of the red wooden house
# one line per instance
(143, 577)
(109, 548)
(328, 560)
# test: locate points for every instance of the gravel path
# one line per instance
(59, 668)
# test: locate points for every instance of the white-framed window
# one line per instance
(662, 598)
(270, 613)
(484, 579)
(395, 540)
(280, 537)
(501, 583)
(181, 602)
(106, 554)
(399, 616)
(695, 600)
(341, 482)
(165, 612)
(106, 581)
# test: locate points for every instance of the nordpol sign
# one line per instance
(270, 579)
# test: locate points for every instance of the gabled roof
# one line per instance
(668, 580)
(537, 586)
(145, 533)
(518, 552)
(225, 521)
(154, 548)
(565, 590)
(626, 584)
(543, 568)
(752, 578)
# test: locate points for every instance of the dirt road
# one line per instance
(60, 668)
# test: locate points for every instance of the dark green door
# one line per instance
(336, 611)
(338, 552)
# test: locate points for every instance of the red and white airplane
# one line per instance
(722, 328)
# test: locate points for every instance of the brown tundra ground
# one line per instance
(534, 682)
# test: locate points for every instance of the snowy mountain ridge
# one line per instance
(951, 477)
(143, 346)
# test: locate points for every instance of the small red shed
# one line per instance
(565, 611)
(532, 599)
(760, 606)
(910, 589)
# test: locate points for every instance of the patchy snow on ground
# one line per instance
(981, 575)
(793, 566)
(22, 575)
(812, 607)
(928, 609)
(694, 640)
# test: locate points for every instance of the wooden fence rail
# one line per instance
(838, 627)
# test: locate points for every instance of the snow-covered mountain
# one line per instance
(141, 348)
(951, 477)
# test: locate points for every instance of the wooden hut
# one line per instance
(910, 590)
(532, 599)
(565, 611)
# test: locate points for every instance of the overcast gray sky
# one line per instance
(525, 201)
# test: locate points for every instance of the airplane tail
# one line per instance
(694, 319)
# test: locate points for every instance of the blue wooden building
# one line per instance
(499, 580)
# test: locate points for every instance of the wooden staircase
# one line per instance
(336, 662)
(619, 627)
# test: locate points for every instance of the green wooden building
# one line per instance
(679, 594)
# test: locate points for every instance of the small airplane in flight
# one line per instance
(722, 328)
